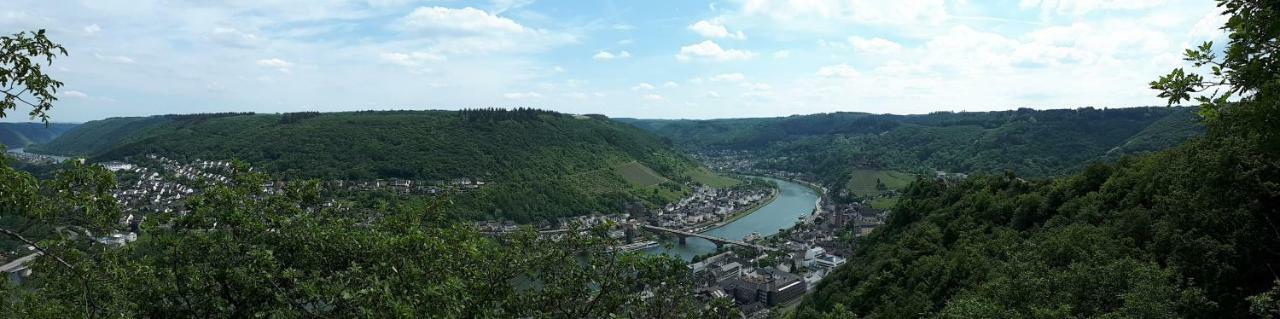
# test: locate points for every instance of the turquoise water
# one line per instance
(793, 202)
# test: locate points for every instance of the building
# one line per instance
(728, 271)
(829, 261)
(768, 287)
(117, 166)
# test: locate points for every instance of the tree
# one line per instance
(21, 75)
(239, 252)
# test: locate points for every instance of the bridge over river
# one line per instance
(717, 240)
(794, 202)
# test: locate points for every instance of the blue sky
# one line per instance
(651, 59)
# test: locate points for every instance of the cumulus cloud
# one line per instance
(642, 87)
(710, 51)
(606, 55)
(671, 84)
(470, 31)
(715, 29)
(463, 21)
(412, 59)
(276, 63)
(874, 45)
(838, 71)
(92, 29)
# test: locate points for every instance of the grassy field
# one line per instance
(638, 175)
(884, 202)
(708, 178)
(863, 181)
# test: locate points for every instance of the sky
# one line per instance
(647, 59)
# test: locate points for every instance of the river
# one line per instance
(20, 152)
(794, 201)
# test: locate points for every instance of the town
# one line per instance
(759, 272)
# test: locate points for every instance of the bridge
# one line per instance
(717, 240)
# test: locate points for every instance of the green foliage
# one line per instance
(1025, 141)
(1187, 232)
(21, 74)
(242, 253)
(537, 165)
(1182, 233)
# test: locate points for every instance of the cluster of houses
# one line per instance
(401, 186)
(709, 205)
(560, 224)
(743, 162)
(159, 184)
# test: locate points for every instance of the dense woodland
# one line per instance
(1027, 142)
(14, 135)
(1192, 231)
(537, 164)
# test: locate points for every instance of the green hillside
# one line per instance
(14, 135)
(1028, 142)
(1188, 232)
(537, 164)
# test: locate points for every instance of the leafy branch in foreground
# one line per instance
(21, 73)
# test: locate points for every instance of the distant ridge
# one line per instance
(15, 135)
(532, 158)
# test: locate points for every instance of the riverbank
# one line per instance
(793, 201)
(743, 213)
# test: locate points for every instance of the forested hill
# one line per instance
(14, 135)
(538, 164)
(1028, 142)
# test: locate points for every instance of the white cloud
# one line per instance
(874, 45)
(92, 29)
(653, 97)
(756, 86)
(642, 87)
(623, 27)
(412, 59)
(782, 54)
(114, 58)
(871, 12)
(710, 51)
(715, 29)
(276, 63)
(522, 95)
(710, 95)
(606, 55)
(1080, 7)
(1209, 27)
(464, 21)
(235, 38)
(838, 70)
(671, 84)
(73, 94)
(728, 77)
